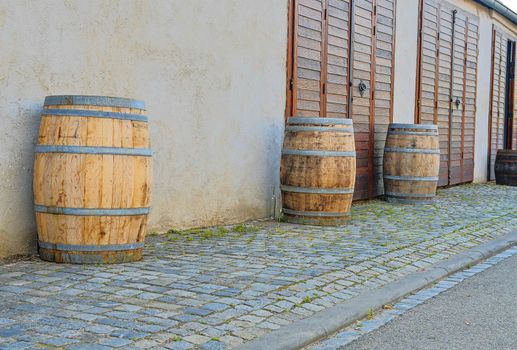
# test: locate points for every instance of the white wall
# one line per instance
(483, 97)
(405, 61)
(212, 73)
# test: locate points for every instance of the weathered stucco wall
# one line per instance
(212, 73)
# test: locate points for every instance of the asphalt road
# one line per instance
(478, 313)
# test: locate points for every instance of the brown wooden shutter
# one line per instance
(497, 113)
(446, 85)
(427, 89)
(361, 107)
(457, 97)
(469, 114)
(308, 54)
(514, 121)
(338, 41)
(383, 89)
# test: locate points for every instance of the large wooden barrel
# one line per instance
(317, 172)
(411, 163)
(506, 167)
(92, 179)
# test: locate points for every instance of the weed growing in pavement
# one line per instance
(370, 314)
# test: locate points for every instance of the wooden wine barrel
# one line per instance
(92, 179)
(317, 172)
(411, 163)
(506, 167)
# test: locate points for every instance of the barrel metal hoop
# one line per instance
(91, 211)
(412, 195)
(321, 121)
(94, 101)
(316, 190)
(409, 201)
(413, 126)
(303, 152)
(411, 178)
(414, 133)
(144, 152)
(314, 213)
(90, 248)
(319, 129)
(95, 114)
(412, 150)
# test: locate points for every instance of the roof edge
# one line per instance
(500, 8)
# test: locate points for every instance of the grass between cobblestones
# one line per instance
(215, 288)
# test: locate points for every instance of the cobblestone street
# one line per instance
(217, 288)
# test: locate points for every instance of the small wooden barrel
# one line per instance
(92, 179)
(411, 163)
(317, 172)
(506, 167)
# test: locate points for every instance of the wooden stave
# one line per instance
(341, 196)
(136, 221)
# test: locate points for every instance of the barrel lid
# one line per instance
(413, 126)
(94, 101)
(319, 121)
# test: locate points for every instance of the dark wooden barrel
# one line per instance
(92, 179)
(317, 173)
(411, 163)
(506, 167)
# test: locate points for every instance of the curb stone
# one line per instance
(325, 323)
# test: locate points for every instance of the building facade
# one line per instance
(220, 77)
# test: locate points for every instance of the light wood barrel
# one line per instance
(411, 163)
(92, 179)
(506, 167)
(317, 172)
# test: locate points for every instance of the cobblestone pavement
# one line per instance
(216, 288)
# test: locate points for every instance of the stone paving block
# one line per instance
(213, 345)
(88, 347)
(179, 345)
(273, 276)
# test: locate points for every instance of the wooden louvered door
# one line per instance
(511, 125)
(446, 85)
(336, 47)
(513, 95)
(384, 43)
(497, 106)
(319, 81)
(469, 101)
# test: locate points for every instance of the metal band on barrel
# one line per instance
(319, 128)
(415, 133)
(303, 152)
(313, 213)
(96, 114)
(413, 195)
(316, 190)
(90, 248)
(91, 211)
(94, 101)
(412, 150)
(144, 152)
(413, 126)
(411, 178)
(321, 121)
